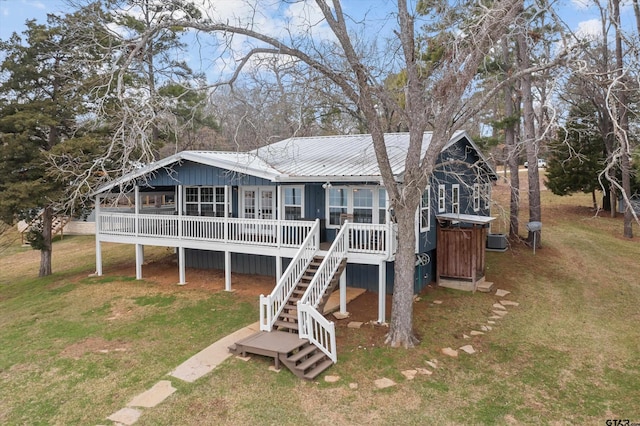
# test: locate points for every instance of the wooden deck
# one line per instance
(270, 344)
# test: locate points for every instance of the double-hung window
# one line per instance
(425, 210)
(293, 202)
(204, 201)
(442, 199)
(487, 195)
(338, 204)
(476, 197)
(455, 198)
(362, 205)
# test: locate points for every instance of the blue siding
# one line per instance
(190, 173)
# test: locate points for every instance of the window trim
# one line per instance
(442, 198)
(427, 208)
(487, 195)
(476, 197)
(375, 208)
(455, 198)
(199, 202)
(284, 200)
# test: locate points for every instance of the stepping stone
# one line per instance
(499, 306)
(437, 302)
(509, 303)
(491, 322)
(384, 383)
(154, 396)
(495, 317)
(464, 336)
(409, 374)
(502, 293)
(243, 358)
(468, 349)
(354, 324)
(417, 298)
(476, 333)
(353, 386)
(331, 379)
(424, 371)
(501, 313)
(274, 369)
(450, 352)
(126, 416)
(340, 316)
(485, 328)
(433, 363)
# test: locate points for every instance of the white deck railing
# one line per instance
(274, 233)
(368, 238)
(271, 305)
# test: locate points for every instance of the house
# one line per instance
(310, 211)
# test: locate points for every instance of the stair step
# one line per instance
(286, 324)
(313, 359)
(288, 315)
(303, 352)
(313, 373)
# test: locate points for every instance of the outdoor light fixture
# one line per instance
(326, 185)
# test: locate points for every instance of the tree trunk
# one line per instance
(512, 152)
(531, 143)
(45, 251)
(401, 327)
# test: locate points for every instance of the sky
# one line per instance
(14, 13)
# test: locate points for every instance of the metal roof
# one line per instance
(339, 156)
(344, 157)
(466, 218)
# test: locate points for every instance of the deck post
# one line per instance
(382, 292)
(278, 268)
(137, 210)
(227, 270)
(343, 292)
(98, 244)
(139, 260)
(182, 278)
(179, 206)
(227, 193)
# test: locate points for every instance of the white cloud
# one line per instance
(591, 29)
(581, 4)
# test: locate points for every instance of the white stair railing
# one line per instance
(320, 331)
(271, 305)
(312, 324)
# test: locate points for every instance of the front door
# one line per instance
(258, 203)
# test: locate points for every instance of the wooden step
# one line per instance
(286, 324)
(288, 315)
(312, 360)
(319, 368)
(303, 352)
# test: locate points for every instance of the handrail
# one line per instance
(322, 278)
(271, 305)
(320, 331)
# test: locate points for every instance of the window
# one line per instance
(487, 195)
(455, 198)
(292, 202)
(337, 204)
(476, 197)
(364, 203)
(442, 198)
(363, 206)
(382, 206)
(425, 210)
(204, 201)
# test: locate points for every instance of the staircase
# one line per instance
(299, 355)
(57, 225)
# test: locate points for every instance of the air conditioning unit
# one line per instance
(497, 242)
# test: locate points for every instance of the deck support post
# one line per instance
(278, 268)
(227, 271)
(182, 277)
(343, 292)
(98, 244)
(382, 292)
(139, 260)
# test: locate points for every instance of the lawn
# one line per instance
(74, 349)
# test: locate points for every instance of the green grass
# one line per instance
(75, 349)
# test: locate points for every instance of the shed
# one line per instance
(461, 250)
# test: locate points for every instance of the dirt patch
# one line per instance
(93, 345)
